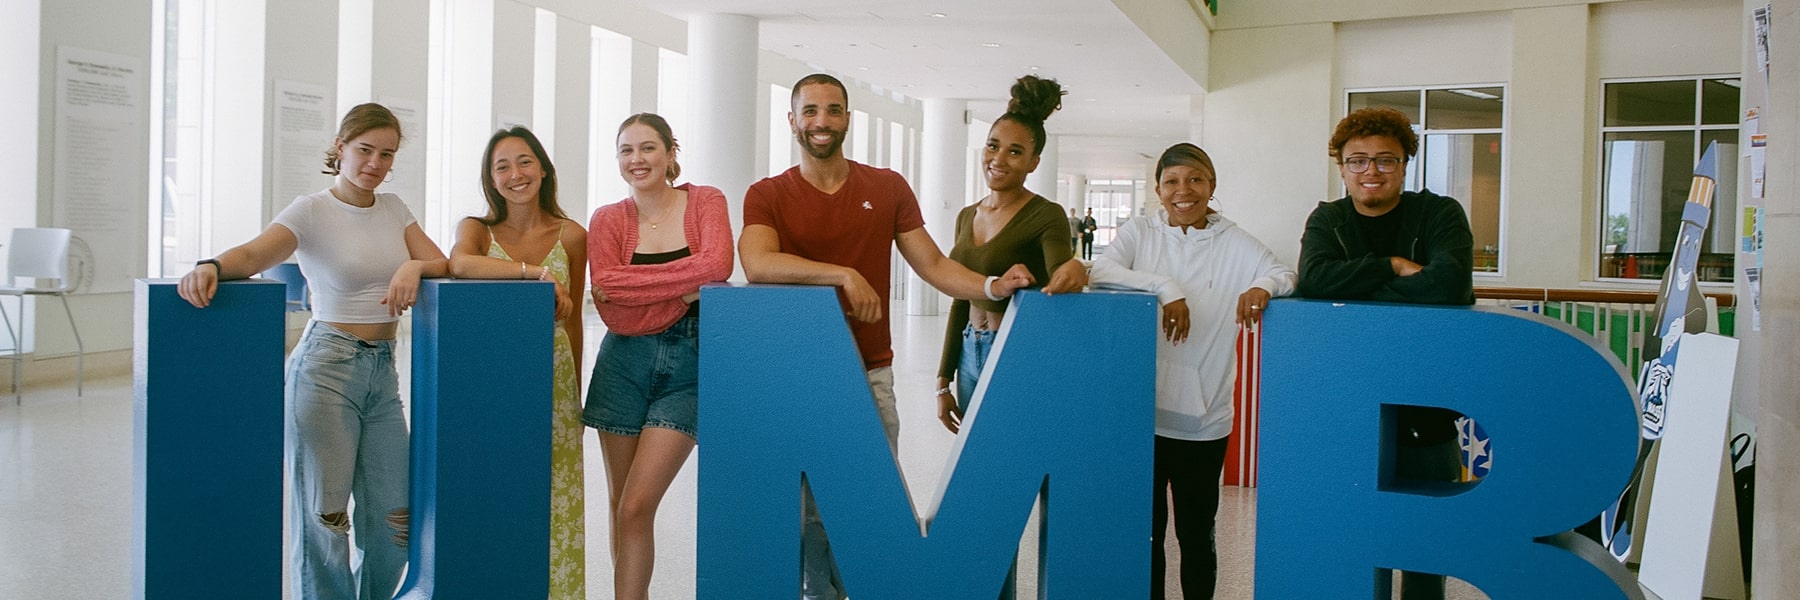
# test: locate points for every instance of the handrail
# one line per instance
(1725, 299)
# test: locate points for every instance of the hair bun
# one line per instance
(1035, 98)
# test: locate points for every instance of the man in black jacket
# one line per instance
(1381, 243)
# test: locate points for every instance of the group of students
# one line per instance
(828, 221)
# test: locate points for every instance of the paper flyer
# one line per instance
(1760, 20)
(1747, 244)
(1753, 277)
(1759, 144)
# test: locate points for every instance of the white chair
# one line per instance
(39, 253)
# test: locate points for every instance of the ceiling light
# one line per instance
(990, 44)
(938, 15)
(1474, 94)
(801, 46)
(1032, 67)
(862, 68)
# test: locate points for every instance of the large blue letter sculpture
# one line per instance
(206, 460)
(1332, 522)
(208, 450)
(481, 441)
(783, 396)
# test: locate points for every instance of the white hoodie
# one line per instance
(1210, 268)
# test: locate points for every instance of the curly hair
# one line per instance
(1375, 121)
(1033, 100)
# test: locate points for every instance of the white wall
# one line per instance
(126, 31)
(1421, 51)
(1549, 231)
(1277, 92)
(1270, 110)
(1656, 38)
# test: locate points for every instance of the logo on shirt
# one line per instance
(867, 206)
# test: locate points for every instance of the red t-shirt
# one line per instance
(854, 227)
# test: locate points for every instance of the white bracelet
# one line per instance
(987, 287)
(942, 391)
(522, 270)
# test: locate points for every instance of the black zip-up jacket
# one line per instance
(1335, 263)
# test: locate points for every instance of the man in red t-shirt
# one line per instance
(830, 221)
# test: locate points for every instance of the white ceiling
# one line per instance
(1126, 100)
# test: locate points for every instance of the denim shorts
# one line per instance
(647, 381)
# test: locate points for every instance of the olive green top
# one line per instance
(1037, 236)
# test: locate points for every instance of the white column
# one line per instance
(574, 41)
(1043, 180)
(1778, 415)
(715, 151)
(1077, 199)
(941, 171)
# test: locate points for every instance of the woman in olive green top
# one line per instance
(1011, 225)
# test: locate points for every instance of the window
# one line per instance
(1113, 201)
(1652, 134)
(175, 227)
(1461, 137)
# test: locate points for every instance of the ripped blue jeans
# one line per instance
(347, 439)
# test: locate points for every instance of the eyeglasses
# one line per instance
(1360, 164)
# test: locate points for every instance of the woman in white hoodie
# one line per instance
(1209, 276)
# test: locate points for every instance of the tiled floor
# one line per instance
(65, 491)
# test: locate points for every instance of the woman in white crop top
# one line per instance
(363, 255)
(525, 235)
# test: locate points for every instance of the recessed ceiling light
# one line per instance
(801, 46)
(938, 15)
(862, 68)
(1093, 99)
(1032, 67)
(990, 44)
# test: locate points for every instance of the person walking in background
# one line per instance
(1384, 244)
(525, 235)
(832, 221)
(650, 254)
(1088, 227)
(1074, 231)
(1210, 276)
(363, 254)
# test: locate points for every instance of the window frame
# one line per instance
(1698, 129)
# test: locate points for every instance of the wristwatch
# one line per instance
(218, 269)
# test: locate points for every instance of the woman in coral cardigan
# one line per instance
(648, 256)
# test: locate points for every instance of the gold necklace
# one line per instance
(665, 216)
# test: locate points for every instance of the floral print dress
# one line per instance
(568, 557)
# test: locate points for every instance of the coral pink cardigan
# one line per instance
(646, 299)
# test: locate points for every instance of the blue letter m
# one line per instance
(783, 395)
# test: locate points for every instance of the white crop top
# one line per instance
(348, 254)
